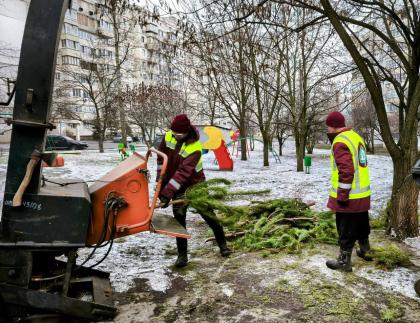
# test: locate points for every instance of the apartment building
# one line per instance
(12, 23)
(87, 44)
(84, 48)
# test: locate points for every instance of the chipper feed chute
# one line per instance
(129, 182)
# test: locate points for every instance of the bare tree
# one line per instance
(224, 58)
(365, 121)
(123, 17)
(309, 69)
(382, 38)
(266, 47)
(93, 86)
(282, 130)
(152, 108)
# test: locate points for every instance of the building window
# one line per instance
(77, 92)
(70, 60)
(71, 29)
(67, 43)
(86, 35)
(71, 13)
(88, 66)
(105, 25)
(57, 76)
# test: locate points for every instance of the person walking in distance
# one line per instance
(350, 191)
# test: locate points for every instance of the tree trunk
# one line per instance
(300, 153)
(252, 143)
(281, 142)
(372, 136)
(118, 74)
(242, 131)
(310, 145)
(266, 149)
(402, 213)
(101, 142)
(243, 149)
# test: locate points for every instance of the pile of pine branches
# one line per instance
(273, 224)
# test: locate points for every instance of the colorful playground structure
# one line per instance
(212, 138)
(236, 140)
(124, 152)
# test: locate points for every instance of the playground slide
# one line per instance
(216, 143)
(223, 157)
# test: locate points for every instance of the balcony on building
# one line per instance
(151, 28)
(104, 33)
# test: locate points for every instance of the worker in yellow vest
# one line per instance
(185, 168)
(350, 191)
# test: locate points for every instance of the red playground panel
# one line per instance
(223, 157)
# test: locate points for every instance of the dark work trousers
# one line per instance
(352, 227)
(180, 214)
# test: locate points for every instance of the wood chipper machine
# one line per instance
(45, 220)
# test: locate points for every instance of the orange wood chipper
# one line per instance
(42, 219)
(120, 203)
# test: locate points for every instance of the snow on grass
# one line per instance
(400, 280)
(144, 256)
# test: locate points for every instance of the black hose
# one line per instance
(112, 205)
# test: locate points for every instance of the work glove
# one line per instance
(343, 203)
(343, 197)
(164, 202)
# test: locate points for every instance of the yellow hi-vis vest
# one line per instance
(360, 187)
(185, 150)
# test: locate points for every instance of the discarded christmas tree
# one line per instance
(272, 224)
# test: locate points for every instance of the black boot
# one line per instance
(364, 249)
(181, 261)
(182, 246)
(224, 250)
(343, 261)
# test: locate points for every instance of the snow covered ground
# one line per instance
(145, 256)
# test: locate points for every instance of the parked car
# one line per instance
(118, 138)
(56, 142)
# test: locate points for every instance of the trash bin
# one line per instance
(307, 162)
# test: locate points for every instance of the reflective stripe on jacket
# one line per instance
(360, 187)
(186, 149)
(185, 164)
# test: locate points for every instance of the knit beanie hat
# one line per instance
(336, 120)
(181, 124)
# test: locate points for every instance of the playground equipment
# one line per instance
(41, 222)
(216, 143)
(236, 145)
(124, 153)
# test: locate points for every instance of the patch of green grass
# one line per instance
(333, 300)
(378, 223)
(393, 310)
(282, 285)
(381, 221)
(390, 256)
(265, 299)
